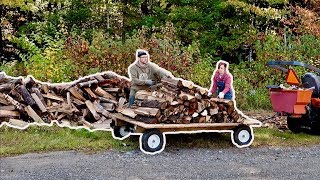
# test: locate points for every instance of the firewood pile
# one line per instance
(88, 100)
(93, 99)
(176, 101)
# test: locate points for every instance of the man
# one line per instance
(143, 73)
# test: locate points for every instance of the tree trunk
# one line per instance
(1, 41)
(124, 20)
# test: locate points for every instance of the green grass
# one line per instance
(274, 137)
(44, 139)
(263, 137)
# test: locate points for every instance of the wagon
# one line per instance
(152, 136)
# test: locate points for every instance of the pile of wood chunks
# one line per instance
(177, 101)
(93, 99)
(88, 100)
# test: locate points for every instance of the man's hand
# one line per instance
(221, 95)
(149, 82)
(209, 94)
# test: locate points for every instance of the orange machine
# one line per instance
(300, 103)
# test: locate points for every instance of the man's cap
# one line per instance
(141, 53)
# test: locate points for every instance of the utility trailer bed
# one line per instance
(152, 136)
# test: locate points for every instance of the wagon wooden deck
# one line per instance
(121, 120)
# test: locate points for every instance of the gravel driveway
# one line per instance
(230, 163)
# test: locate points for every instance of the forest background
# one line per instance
(62, 40)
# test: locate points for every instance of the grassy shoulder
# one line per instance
(274, 137)
(263, 137)
(44, 139)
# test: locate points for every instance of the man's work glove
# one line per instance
(149, 82)
(221, 95)
(209, 94)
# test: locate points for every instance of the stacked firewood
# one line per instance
(179, 101)
(94, 99)
(83, 102)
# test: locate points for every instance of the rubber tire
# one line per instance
(116, 131)
(112, 124)
(294, 124)
(311, 80)
(315, 128)
(146, 135)
(236, 133)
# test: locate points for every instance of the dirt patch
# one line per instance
(269, 119)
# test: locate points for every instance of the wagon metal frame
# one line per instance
(152, 139)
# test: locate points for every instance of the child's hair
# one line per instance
(224, 64)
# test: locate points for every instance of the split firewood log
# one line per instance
(146, 111)
(9, 114)
(39, 103)
(33, 114)
(26, 95)
(175, 83)
(92, 109)
(128, 112)
(104, 93)
(148, 120)
(77, 93)
(153, 104)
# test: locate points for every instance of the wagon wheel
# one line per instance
(242, 135)
(120, 131)
(152, 140)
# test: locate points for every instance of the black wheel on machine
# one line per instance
(310, 80)
(315, 128)
(294, 124)
(242, 135)
(152, 140)
(314, 116)
(120, 131)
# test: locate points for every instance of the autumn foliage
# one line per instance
(104, 54)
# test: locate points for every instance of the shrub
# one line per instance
(106, 53)
(304, 48)
(250, 81)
